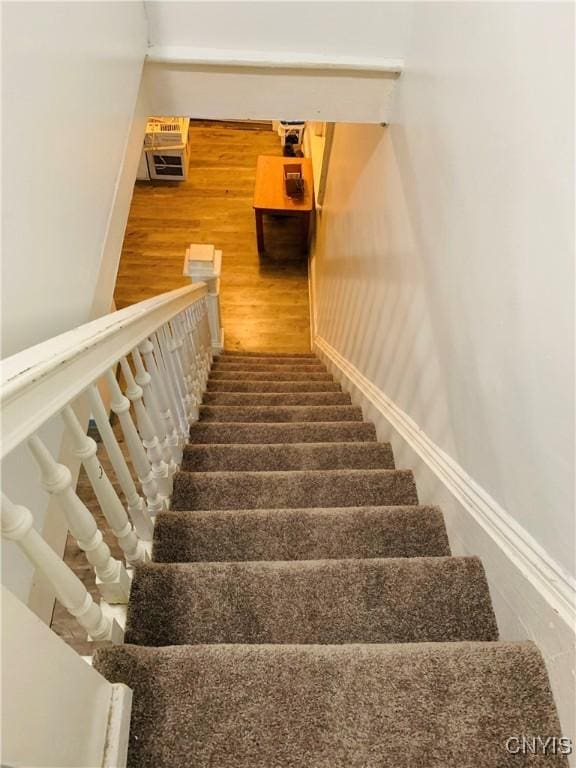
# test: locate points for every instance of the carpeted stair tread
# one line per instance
(303, 432)
(425, 705)
(271, 355)
(239, 457)
(246, 457)
(273, 413)
(276, 398)
(274, 490)
(273, 386)
(392, 600)
(266, 361)
(268, 375)
(300, 534)
(248, 368)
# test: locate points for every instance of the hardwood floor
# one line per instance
(264, 300)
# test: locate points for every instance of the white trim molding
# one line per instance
(556, 586)
(222, 57)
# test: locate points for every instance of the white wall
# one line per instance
(338, 28)
(275, 32)
(71, 73)
(55, 707)
(71, 76)
(444, 264)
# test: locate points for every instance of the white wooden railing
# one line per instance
(163, 349)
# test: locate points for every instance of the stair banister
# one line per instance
(174, 398)
(147, 432)
(38, 382)
(187, 365)
(110, 504)
(121, 407)
(17, 526)
(158, 387)
(138, 510)
(191, 359)
(169, 350)
(199, 352)
(111, 577)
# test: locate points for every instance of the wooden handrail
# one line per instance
(38, 382)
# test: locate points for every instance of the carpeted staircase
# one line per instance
(303, 610)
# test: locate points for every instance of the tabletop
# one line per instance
(269, 192)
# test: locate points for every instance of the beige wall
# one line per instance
(444, 267)
(443, 273)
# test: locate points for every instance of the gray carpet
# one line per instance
(279, 413)
(267, 375)
(300, 534)
(304, 432)
(239, 385)
(427, 705)
(276, 398)
(317, 488)
(238, 457)
(391, 600)
(303, 611)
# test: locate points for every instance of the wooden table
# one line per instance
(270, 195)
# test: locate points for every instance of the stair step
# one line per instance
(274, 490)
(306, 432)
(267, 375)
(299, 534)
(272, 386)
(272, 355)
(272, 413)
(392, 600)
(276, 398)
(264, 367)
(431, 705)
(266, 361)
(264, 457)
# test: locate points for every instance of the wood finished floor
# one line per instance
(264, 300)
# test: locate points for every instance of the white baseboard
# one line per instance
(533, 597)
(117, 735)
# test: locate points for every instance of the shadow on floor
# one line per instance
(284, 254)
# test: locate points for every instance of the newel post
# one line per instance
(202, 264)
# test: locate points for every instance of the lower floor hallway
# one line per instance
(264, 298)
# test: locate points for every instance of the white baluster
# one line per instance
(17, 526)
(209, 342)
(85, 448)
(144, 380)
(121, 407)
(172, 347)
(139, 515)
(147, 350)
(192, 356)
(201, 364)
(184, 365)
(112, 578)
(174, 396)
(160, 471)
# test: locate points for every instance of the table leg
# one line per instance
(259, 231)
